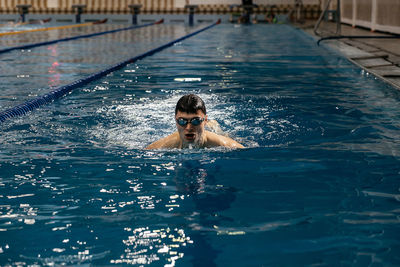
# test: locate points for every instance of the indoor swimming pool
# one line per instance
(317, 184)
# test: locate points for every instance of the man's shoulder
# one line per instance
(170, 141)
(214, 139)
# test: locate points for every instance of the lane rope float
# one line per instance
(28, 46)
(55, 27)
(61, 91)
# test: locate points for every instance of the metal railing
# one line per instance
(324, 13)
(338, 34)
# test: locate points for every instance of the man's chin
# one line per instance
(191, 144)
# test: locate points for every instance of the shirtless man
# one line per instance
(191, 118)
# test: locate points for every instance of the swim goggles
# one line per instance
(196, 121)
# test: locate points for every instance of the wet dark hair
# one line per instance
(190, 104)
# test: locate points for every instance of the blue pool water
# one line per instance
(318, 183)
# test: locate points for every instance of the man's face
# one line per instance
(191, 134)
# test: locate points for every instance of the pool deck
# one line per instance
(380, 57)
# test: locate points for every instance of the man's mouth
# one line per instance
(189, 136)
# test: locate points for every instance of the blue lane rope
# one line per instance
(2, 51)
(33, 104)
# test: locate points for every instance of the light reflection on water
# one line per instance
(317, 183)
(145, 246)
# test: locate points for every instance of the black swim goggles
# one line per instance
(196, 121)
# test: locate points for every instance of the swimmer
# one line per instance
(191, 119)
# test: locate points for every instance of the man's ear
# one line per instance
(206, 119)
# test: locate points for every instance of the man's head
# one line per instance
(190, 117)
(190, 104)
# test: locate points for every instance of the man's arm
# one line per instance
(171, 141)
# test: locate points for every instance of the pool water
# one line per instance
(317, 184)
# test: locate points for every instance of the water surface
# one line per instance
(318, 183)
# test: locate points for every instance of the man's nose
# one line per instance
(188, 126)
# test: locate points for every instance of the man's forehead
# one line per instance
(189, 115)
